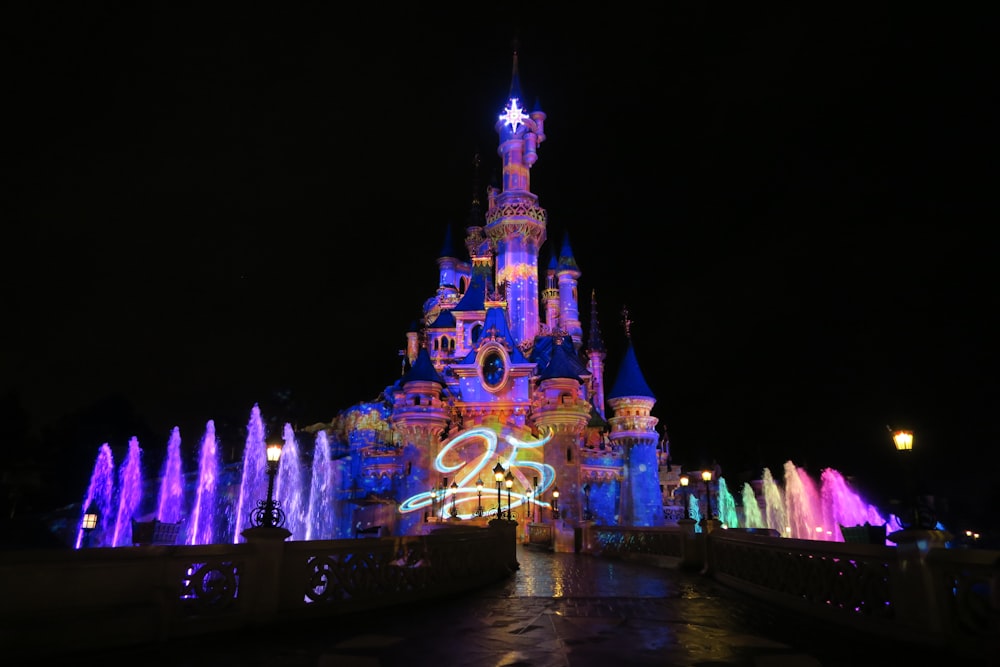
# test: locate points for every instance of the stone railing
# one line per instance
(56, 601)
(917, 590)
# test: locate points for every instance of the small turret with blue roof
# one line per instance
(630, 381)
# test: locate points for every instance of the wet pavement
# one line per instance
(557, 610)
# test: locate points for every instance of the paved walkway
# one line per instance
(558, 610)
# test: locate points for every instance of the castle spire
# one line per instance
(594, 342)
(596, 352)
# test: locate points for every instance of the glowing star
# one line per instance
(513, 114)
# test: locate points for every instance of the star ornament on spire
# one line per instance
(513, 114)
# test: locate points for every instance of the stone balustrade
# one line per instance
(917, 590)
(61, 600)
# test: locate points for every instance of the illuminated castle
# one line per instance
(498, 371)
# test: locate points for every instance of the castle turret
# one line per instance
(633, 429)
(568, 275)
(561, 409)
(420, 416)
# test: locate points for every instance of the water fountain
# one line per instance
(802, 509)
(214, 503)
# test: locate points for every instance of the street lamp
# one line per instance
(685, 480)
(268, 513)
(89, 522)
(555, 502)
(528, 495)
(903, 441)
(587, 516)
(498, 472)
(706, 476)
(454, 500)
(479, 491)
(509, 482)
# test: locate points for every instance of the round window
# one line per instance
(493, 369)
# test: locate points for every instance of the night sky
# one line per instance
(212, 208)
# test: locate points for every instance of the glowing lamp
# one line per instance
(453, 490)
(498, 472)
(706, 476)
(90, 518)
(903, 440)
(685, 480)
(479, 492)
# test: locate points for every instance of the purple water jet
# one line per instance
(288, 489)
(100, 492)
(321, 511)
(129, 494)
(253, 485)
(170, 504)
(202, 519)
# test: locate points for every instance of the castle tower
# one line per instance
(420, 416)
(596, 354)
(633, 429)
(568, 275)
(561, 409)
(515, 222)
(550, 297)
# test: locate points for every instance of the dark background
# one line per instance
(219, 206)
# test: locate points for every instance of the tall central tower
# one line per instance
(515, 222)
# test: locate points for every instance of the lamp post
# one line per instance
(509, 482)
(268, 513)
(498, 472)
(479, 491)
(903, 441)
(685, 480)
(454, 500)
(706, 476)
(89, 523)
(587, 516)
(527, 493)
(555, 502)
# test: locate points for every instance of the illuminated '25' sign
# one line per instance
(455, 458)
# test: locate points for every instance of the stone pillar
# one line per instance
(914, 595)
(509, 529)
(691, 551)
(264, 573)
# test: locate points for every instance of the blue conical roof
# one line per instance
(630, 381)
(564, 363)
(423, 370)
